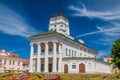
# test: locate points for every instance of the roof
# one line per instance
(84, 58)
(8, 54)
(107, 56)
(26, 61)
(51, 32)
(58, 14)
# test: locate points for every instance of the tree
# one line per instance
(116, 53)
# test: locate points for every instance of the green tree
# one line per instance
(116, 53)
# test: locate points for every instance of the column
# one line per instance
(38, 58)
(31, 57)
(46, 58)
(54, 67)
(60, 58)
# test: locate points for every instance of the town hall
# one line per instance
(57, 51)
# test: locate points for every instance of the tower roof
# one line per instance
(58, 14)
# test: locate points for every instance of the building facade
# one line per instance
(10, 62)
(25, 64)
(113, 68)
(56, 51)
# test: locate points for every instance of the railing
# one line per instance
(42, 55)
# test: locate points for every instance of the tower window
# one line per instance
(55, 25)
(55, 30)
(61, 26)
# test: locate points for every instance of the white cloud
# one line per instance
(106, 15)
(102, 53)
(17, 50)
(114, 31)
(13, 24)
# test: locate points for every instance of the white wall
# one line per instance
(90, 66)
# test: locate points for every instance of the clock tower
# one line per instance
(59, 23)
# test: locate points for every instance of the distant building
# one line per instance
(113, 68)
(10, 62)
(26, 64)
(56, 51)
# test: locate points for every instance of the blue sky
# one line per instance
(97, 22)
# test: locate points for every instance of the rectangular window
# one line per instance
(73, 66)
(9, 62)
(72, 54)
(0, 62)
(4, 62)
(69, 52)
(57, 50)
(80, 54)
(18, 63)
(66, 52)
(13, 62)
(75, 53)
(42, 50)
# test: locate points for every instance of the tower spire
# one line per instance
(59, 7)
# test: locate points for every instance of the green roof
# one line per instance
(44, 33)
(49, 32)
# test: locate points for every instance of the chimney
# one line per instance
(81, 41)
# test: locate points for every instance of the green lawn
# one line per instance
(67, 76)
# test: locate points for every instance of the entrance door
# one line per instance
(65, 68)
(50, 67)
(81, 68)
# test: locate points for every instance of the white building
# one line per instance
(10, 62)
(25, 64)
(56, 51)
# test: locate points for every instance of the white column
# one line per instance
(46, 58)
(60, 58)
(31, 57)
(54, 67)
(38, 58)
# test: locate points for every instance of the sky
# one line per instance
(97, 22)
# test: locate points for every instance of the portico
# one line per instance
(47, 57)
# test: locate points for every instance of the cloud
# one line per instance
(105, 15)
(102, 53)
(114, 31)
(14, 24)
(17, 50)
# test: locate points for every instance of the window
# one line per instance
(57, 50)
(69, 52)
(0, 62)
(9, 62)
(50, 50)
(75, 53)
(13, 62)
(55, 29)
(66, 52)
(55, 26)
(4, 62)
(74, 66)
(80, 48)
(89, 65)
(42, 50)
(72, 54)
(85, 50)
(18, 63)
(61, 26)
(80, 54)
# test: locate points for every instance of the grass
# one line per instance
(73, 77)
(90, 76)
